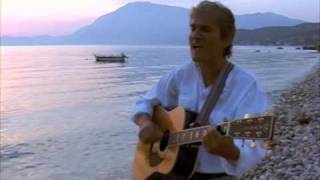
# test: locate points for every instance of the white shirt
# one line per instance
(241, 95)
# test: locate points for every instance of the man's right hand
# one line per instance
(149, 131)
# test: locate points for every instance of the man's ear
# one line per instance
(228, 39)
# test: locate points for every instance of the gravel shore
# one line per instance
(295, 151)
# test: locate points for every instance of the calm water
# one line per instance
(64, 116)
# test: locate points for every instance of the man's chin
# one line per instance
(196, 58)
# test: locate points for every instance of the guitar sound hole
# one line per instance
(164, 140)
(219, 128)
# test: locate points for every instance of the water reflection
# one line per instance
(39, 79)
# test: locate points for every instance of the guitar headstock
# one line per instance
(254, 128)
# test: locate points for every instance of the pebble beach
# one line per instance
(295, 152)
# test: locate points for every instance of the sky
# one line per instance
(62, 17)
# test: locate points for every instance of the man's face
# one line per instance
(204, 38)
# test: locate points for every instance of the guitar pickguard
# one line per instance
(154, 155)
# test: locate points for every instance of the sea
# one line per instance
(66, 116)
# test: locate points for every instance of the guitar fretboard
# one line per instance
(248, 128)
(188, 136)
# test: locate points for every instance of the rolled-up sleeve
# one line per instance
(253, 102)
(164, 93)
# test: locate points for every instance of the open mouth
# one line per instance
(196, 47)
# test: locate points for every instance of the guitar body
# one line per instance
(151, 159)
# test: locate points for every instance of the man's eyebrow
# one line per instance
(199, 25)
(195, 24)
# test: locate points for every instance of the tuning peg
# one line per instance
(266, 144)
(191, 125)
(253, 144)
(247, 116)
(268, 114)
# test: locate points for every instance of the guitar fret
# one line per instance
(178, 138)
(203, 132)
(171, 139)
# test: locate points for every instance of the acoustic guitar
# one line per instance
(176, 152)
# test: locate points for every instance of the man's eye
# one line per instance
(205, 29)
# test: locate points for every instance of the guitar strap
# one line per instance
(216, 90)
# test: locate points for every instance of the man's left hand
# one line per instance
(218, 144)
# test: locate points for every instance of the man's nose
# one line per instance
(195, 34)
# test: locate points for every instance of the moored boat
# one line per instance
(309, 48)
(112, 58)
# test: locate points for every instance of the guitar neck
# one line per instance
(188, 136)
(255, 128)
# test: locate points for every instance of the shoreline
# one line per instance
(295, 153)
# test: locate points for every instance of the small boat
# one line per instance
(112, 59)
(279, 47)
(309, 48)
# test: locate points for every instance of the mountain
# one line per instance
(259, 20)
(137, 23)
(302, 34)
(36, 40)
(145, 23)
